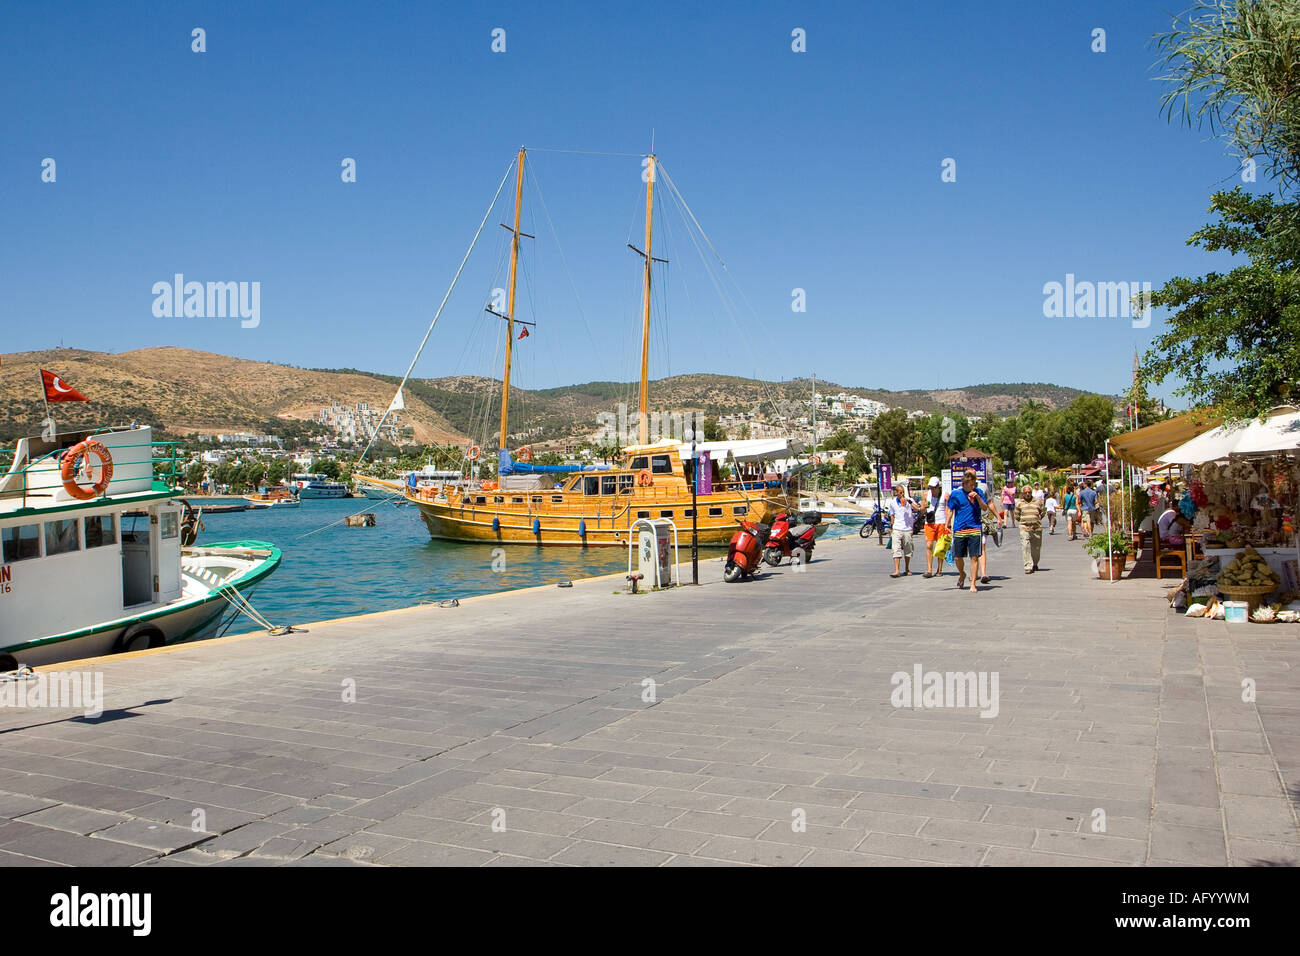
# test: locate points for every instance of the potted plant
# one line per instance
(1111, 551)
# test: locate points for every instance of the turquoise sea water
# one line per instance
(341, 571)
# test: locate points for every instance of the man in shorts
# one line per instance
(902, 515)
(965, 506)
(936, 524)
(1088, 507)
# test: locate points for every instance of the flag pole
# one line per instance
(48, 418)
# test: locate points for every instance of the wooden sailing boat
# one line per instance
(558, 505)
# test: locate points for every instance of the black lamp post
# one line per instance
(880, 519)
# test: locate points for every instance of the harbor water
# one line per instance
(330, 570)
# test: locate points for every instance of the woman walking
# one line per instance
(1008, 498)
(1071, 505)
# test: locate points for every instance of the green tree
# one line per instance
(194, 474)
(1234, 66)
(939, 437)
(895, 434)
(276, 471)
(841, 440)
(1084, 427)
(713, 431)
(1234, 338)
(254, 473)
(325, 466)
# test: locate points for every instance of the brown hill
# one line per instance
(188, 391)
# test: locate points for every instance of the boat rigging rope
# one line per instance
(241, 605)
(425, 341)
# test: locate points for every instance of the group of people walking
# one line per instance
(967, 518)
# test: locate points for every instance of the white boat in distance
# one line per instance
(94, 556)
(831, 507)
(317, 486)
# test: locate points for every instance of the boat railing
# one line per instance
(28, 478)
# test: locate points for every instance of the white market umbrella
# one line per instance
(1279, 432)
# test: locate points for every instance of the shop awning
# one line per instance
(1280, 431)
(1144, 446)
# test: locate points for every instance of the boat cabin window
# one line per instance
(715, 512)
(688, 512)
(556, 499)
(61, 536)
(591, 484)
(574, 485)
(100, 531)
(740, 510)
(517, 501)
(537, 500)
(465, 500)
(640, 462)
(609, 484)
(129, 532)
(498, 500)
(666, 514)
(643, 514)
(480, 500)
(626, 483)
(170, 524)
(21, 542)
(661, 465)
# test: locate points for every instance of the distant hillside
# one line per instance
(189, 391)
(184, 391)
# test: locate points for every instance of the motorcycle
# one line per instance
(787, 537)
(879, 523)
(745, 550)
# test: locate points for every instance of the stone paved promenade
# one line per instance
(772, 706)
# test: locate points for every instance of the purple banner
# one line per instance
(704, 474)
(886, 477)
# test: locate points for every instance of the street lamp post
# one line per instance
(880, 521)
(695, 520)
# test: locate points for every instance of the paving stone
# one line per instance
(73, 819)
(1180, 844)
(154, 836)
(587, 853)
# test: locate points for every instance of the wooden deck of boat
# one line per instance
(772, 697)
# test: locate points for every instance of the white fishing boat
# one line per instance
(317, 486)
(831, 507)
(96, 555)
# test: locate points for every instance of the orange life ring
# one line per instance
(488, 486)
(472, 454)
(73, 456)
(524, 454)
(644, 478)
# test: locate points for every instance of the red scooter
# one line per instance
(787, 537)
(745, 551)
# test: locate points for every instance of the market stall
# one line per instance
(1243, 488)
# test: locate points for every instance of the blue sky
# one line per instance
(817, 170)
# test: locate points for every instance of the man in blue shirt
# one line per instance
(965, 506)
(1088, 507)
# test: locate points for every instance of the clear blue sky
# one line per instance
(816, 170)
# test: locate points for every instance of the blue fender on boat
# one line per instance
(537, 526)
(582, 527)
(496, 525)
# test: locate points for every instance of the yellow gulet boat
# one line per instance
(598, 508)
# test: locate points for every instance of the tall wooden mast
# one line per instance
(510, 304)
(645, 320)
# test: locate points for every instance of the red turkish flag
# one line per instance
(523, 333)
(56, 390)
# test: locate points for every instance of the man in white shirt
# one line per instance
(936, 524)
(902, 515)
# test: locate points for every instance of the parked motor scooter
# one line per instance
(745, 551)
(787, 536)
